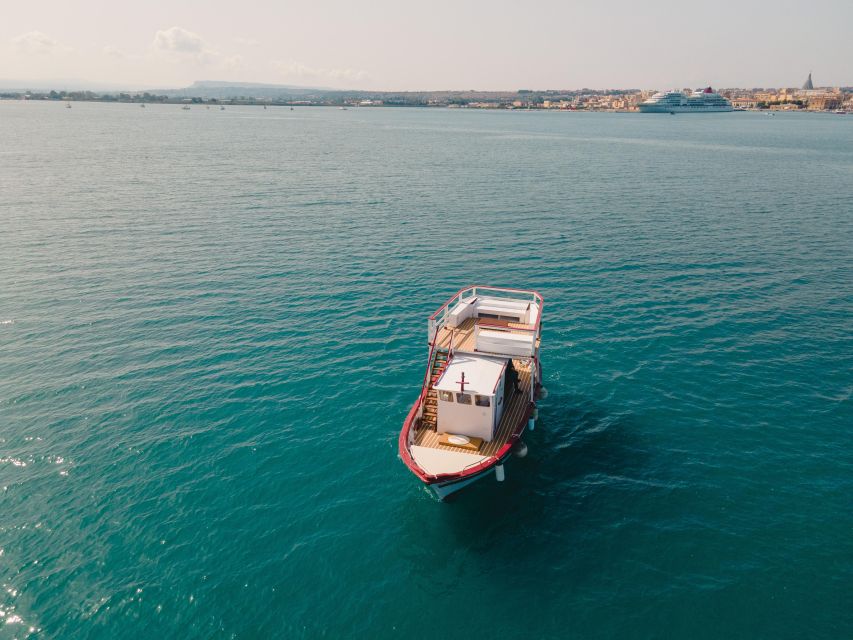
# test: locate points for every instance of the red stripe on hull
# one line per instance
(426, 478)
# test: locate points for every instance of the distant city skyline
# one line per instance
(441, 45)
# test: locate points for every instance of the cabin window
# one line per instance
(463, 398)
(482, 401)
(446, 396)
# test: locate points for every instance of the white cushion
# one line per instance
(504, 342)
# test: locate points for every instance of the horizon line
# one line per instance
(106, 87)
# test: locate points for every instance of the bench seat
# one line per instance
(505, 342)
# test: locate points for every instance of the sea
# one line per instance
(213, 324)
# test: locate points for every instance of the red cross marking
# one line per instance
(462, 383)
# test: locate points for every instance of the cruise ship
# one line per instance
(700, 101)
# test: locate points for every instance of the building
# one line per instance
(744, 103)
(824, 100)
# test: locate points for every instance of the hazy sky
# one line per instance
(441, 44)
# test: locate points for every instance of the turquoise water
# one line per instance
(212, 325)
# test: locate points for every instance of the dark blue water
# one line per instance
(212, 324)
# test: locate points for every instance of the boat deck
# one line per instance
(517, 406)
(464, 336)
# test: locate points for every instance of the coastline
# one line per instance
(304, 104)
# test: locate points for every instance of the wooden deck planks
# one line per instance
(464, 336)
(513, 413)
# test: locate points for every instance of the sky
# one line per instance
(441, 44)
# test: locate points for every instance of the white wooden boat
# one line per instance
(469, 417)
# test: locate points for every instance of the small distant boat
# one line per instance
(67, 105)
(142, 105)
(840, 112)
(186, 107)
(265, 107)
(291, 108)
(222, 108)
(479, 392)
(342, 108)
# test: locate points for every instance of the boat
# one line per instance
(700, 101)
(67, 105)
(142, 105)
(479, 391)
(186, 107)
(222, 108)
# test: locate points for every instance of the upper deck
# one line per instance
(488, 320)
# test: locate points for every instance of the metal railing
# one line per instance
(438, 319)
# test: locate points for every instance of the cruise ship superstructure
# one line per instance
(699, 101)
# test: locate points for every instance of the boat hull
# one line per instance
(442, 490)
(448, 484)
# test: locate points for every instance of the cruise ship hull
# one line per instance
(654, 108)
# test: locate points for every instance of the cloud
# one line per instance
(114, 52)
(246, 42)
(297, 70)
(232, 62)
(183, 43)
(347, 74)
(38, 43)
(178, 40)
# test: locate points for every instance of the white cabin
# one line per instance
(476, 411)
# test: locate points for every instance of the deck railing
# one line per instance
(438, 319)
